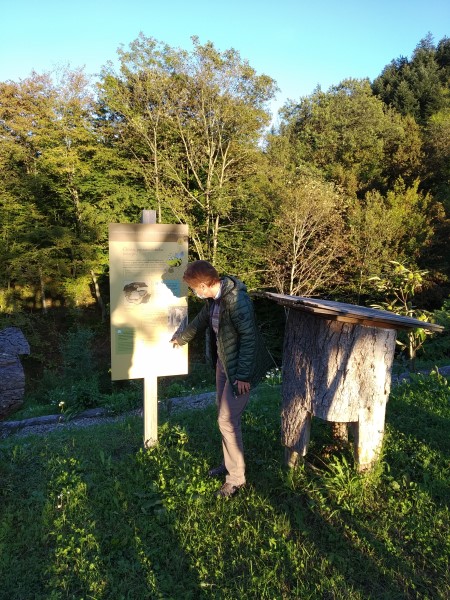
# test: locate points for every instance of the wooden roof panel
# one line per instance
(352, 313)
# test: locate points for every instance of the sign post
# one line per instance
(148, 305)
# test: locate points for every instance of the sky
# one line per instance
(301, 44)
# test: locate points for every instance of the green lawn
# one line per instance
(90, 514)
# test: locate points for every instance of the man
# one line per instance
(238, 353)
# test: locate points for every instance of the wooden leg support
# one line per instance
(368, 436)
(300, 448)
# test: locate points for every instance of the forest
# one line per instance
(347, 198)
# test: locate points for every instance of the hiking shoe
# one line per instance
(218, 471)
(228, 490)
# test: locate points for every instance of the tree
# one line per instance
(25, 112)
(352, 138)
(415, 87)
(437, 155)
(385, 228)
(193, 122)
(443, 60)
(307, 237)
(60, 176)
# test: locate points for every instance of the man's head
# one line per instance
(202, 278)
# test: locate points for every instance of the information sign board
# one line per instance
(148, 299)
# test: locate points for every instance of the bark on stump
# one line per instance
(12, 376)
(339, 372)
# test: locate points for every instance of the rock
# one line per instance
(12, 376)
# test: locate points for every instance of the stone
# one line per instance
(12, 376)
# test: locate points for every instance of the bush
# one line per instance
(76, 352)
(72, 398)
(437, 348)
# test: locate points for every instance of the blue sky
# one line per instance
(301, 44)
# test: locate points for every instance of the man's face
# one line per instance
(199, 290)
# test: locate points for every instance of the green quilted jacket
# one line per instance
(239, 346)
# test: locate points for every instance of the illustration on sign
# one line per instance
(136, 292)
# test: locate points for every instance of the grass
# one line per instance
(90, 514)
(54, 394)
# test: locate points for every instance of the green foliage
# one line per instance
(417, 414)
(76, 387)
(73, 399)
(437, 348)
(59, 179)
(384, 229)
(201, 378)
(415, 87)
(77, 353)
(91, 513)
(399, 287)
(308, 235)
(182, 131)
(192, 121)
(274, 377)
(348, 135)
(437, 153)
(442, 316)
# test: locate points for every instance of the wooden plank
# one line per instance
(371, 317)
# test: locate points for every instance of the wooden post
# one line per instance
(339, 372)
(150, 411)
(148, 217)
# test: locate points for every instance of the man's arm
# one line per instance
(197, 325)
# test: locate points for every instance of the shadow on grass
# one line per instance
(306, 546)
(137, 534)
(374, 546)
(348, 559)
(93, 523)
(418, 424)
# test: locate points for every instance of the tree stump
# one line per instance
(12, 376)
(339, 372)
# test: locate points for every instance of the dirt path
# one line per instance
(95, 416)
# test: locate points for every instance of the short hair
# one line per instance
(200, 271)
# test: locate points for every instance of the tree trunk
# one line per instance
(339, 372)
(215, 240)
(98, 296)
(43, 298)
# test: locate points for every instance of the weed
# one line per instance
(274, 376)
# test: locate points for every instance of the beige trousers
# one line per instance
(230, 409)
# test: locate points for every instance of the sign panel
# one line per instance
(148, 299)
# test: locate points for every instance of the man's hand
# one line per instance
(174, 343)
(242, 386)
